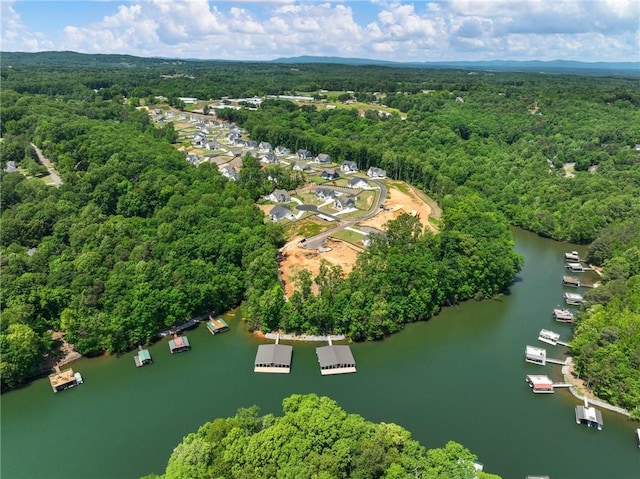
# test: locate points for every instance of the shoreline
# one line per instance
(299, 337)
(580, 391)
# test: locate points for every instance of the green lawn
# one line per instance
(350, 237)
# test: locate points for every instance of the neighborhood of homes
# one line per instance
(226, 143)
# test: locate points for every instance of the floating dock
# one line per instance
(540, 383)
(572, 256)
(563, 315)
(217, 325)
(335, 359)
(550, 337)
(577, 267)
(142, 358)
(535, 355)
(179, 344)
(61, 380)
(571, 281)
(589, 415)
(273, 358)
(573, 298)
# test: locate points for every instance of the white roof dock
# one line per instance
(335, 360)
(548, 337)
(535, 355)
(589, 415)
(273, 358)
(573, 298)
(563, 315)
(572, 256)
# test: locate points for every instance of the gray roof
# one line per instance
(274, 355)
(335, 356)
(279, 212)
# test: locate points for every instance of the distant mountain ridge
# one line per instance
(74, 59)
(529, 65)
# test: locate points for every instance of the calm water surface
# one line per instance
(459, 376)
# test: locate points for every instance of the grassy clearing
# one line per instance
(350, 237)
(365, 200)
(307, 227)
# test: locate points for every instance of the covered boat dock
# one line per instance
(142, 358)
(589, 415)
(273, 358)
(335, 360)
(61, 380)
(179, 344)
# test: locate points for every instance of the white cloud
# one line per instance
(589, 30)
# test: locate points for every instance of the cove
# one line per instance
(459, 376)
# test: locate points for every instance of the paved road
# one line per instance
(57, 181)
(319, 240)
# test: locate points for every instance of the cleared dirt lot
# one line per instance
(401, 199)
(295, 259)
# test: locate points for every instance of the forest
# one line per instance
(136, 239)
(313, 438)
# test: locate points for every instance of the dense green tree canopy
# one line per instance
(314, 438)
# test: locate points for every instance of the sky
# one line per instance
(406, 31)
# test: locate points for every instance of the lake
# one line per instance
(459, 376)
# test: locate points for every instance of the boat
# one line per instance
(572, 256)
(548, 337)
(573, 298)
(563, 315)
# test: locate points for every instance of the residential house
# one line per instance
(279, 212)
(193, 159)
(329, 174)
(325, 193)
(282, 150)
(270, 159)
(374, 172)
(300, 166)
(231, 136)
(264, 147)
(252, 144)
(304, 154)
(343, 203)
(279, 196)
(366, 241)
(349, 166)
(209, 145)
(239, 142)
(322, 158)
(359, 183)
(229, 171)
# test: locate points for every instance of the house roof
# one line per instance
(280, 211)
(335, 355)
(144, 355)
(272, 354)
(356, 181)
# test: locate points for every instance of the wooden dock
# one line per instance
(556, 361)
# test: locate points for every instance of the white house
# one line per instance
(374, 172)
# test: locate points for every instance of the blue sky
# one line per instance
(584, 30)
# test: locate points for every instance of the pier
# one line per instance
(61, 380)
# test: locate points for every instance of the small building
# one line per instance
(335, 360)
(329, 174)
(322, 158)
(540, 383)
(280, 196)
(304, 154)
(571, 281)
(374, 172)
(358, 183)
(548, 337)
(343, 203)
(270, 159)
(229, 171)
(61, 380)
(563, 315)
(142, 358)
(325, 193)
(265, 147)
(535, 355)
(573, 298)
(349, 166)
(572, 256)
(217, 325)
(179, 344)
(279, 213)
(300, 166)
(282, 150)
(273, 358)
(589, 415)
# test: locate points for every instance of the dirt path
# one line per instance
(55, 178)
